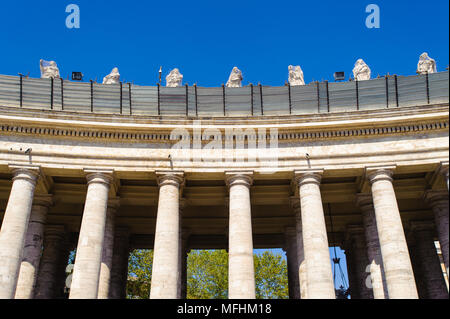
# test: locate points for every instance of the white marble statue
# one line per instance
(235, 79)
(426, 64)
(174, 79)
(49, 69)
(361, 72)
(113, 77)
(296, 76)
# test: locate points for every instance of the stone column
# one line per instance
(88, 260)
(433, 278)
(301, 262)
(14, 227)
(438, 200)
(241, 271)
(166, 272)
(315, 240)
(107, 254)
(33, 247)
(397, 263)
(358, 247)
(376, 268)
(292, 262)
(119, 270)
(47, 279)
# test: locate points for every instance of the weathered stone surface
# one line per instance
(113, 77)
(397, 263)
(235, 79)
(361, 71)
(426, 64)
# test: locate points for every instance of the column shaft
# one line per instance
(358, 247)
(33, 248)
(241, 271)
(47, 280)
(315, 241)
(166, 272)
(376, 268)
(119, 270)
(397, 263)
(438, 200)
(88, 260)
(292, 262)
(107, 254)
(428, 260)
(14, 228)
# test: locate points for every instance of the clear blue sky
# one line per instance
(205, 39)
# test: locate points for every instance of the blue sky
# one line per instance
(205, 39)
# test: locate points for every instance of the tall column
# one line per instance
(166, 272)
(33, 247)
(315, 239)
(358, 247)
(433, 278)
(397, 263)
(88, 260)
(301, 262)
(108, 246)
(438, 200)
(47, 279)
(376, 268)
(14, 227)
(119, 270)
(241, 271)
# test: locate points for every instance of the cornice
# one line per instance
(417, 120)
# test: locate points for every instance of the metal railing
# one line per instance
(193, 101)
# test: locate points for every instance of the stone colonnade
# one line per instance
(378, 252)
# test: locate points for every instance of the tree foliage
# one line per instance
(139, 274)
(207, 275)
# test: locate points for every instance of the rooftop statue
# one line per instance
(113, 77)
(235, 79)
(296, 76)
(49, 69)
(361, 72)
(426, 64)
(174, 79)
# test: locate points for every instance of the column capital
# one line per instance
(45, 200)
(436, 198)
(377, 173)
(233, 178)
(443, 168)
(183, 204)
(290, 231)
(294, 202)
(25, 172)
(175, 178)
(354, 231)
(102, 176)
(310, 176)
(364, 201)
(54, 232)
(421, 225)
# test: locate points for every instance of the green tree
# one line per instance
(207, 276)
(139, 274)
(271, 278)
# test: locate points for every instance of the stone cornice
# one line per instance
(313, 127)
